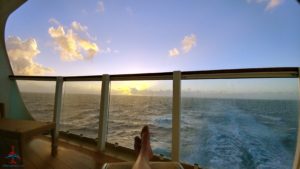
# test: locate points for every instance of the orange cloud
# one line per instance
(21, 55)
(70, 44)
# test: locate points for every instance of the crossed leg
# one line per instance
(143, 147)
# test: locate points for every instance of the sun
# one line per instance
(130, 87)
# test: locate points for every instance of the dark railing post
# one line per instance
(296, 164)
(103, 116)
(2, 115)
(176, 116)
(57, 111)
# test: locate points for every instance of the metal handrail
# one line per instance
(282, 72)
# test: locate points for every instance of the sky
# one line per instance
(63, 37)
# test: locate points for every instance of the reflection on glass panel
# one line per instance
(134, 104)
(38, 97)
(81, 104)
(245, 123)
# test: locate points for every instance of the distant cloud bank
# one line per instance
(74, 43)
(21, 54)
(188, 42)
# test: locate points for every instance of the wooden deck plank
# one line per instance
(38, 156)
(40, 150)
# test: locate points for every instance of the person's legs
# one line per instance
(144, 148)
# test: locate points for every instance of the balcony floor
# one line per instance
(38, 156)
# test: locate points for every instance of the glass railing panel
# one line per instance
(134, 104)
(80, 112)
(38, 97)
(245, 123)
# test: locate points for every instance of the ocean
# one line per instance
(215, 133)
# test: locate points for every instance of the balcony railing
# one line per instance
(176, 77)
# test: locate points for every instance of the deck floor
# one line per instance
(38, 156)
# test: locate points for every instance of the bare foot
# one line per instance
(142, 145)
(137, 144)
(146, 149)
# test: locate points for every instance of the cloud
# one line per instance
(100, 6)
(54, 21)
(273, 3)
(73, 43)
(109, 51)
(77, 26)
(21, 55)
(90, 48)
(174, 52)
(188, 43)
(270, 4)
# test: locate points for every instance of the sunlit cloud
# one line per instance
(270, 4)
(273, 3)
(88, 47)
(188, 43)
(73, 43)
(100, 6)
(78, 27)
(21, 54)
(174, 52)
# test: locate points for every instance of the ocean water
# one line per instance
(215, 133)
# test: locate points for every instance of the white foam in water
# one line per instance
(236, 139)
